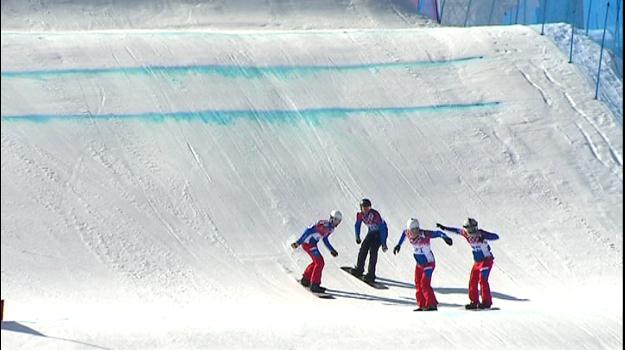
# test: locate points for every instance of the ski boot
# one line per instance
(355, 272)
(471, 306)
(304, 282)
(369, 278)
(316, 288)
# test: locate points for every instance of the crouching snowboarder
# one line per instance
(483, 261)
(309, 239)
(425, 264)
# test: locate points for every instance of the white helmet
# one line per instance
(412, 224)
(335, 217)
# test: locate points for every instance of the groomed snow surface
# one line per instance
(152, 181)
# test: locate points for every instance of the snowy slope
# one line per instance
(33, 15)
(152, 181)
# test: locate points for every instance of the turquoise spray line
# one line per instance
(231, 71)
(224, 117)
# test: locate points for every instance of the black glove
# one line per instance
(448, 240)
(334, 253)
(384, 248)
(440, 226)
(294, 245)
(358, 240)
(396, 250)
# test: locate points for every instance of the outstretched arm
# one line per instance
(441, 234)
(489, 235)
(401, 241)
(449, 229)
(402, 238)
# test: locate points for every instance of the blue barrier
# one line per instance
(596, 19)
(581, 14)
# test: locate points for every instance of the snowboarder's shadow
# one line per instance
(361, 296)
(20, 328)
(414, 302)
(445, 290)
(386, 301)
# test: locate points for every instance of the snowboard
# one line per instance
(376, 285)
(489, 309)
(423, 310)
(318, 295)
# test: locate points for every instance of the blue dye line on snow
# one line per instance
(224, 117)
(229, 70)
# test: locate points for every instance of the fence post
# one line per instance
(605, 24)
(524, 11)
(442, 9)
(516, 16)
(616, 25)
(588, 19)
(542, 30)
(438, 17)
(492, 8)
(466, 17)
(572, 35)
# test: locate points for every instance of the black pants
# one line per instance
(371, 245)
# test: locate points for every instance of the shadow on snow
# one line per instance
(361, 296)
(385, 301)
(13, 326)
(443, 290)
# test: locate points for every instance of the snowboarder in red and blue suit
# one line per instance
(376, 237)
(420, 240)
(308, 240)
(483, 261)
